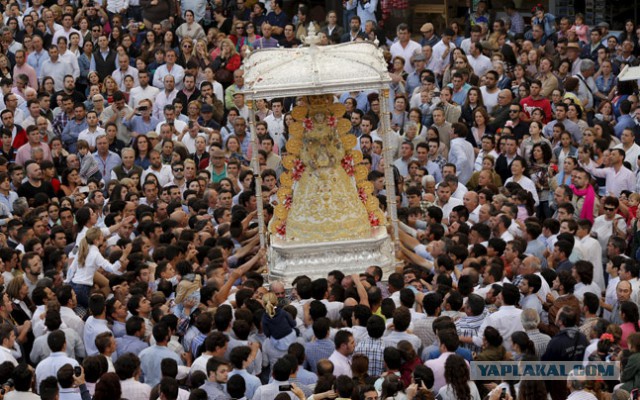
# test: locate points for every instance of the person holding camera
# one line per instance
(140, 121)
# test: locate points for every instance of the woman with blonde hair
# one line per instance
(201, 54)
(277, 324)
(227, 62)
(87, 262)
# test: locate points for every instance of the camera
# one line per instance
(77, 371)
(90, 3)
(284, 388)
(143, 108)
(503, 395)
(190, 124)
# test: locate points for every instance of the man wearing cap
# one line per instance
(442, 50)
(404, 46)
(573, 55)
(413, 80)
(428, 35)
(144, 91)
(206, 120)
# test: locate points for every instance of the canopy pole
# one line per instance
(255, 165)
(388, 170)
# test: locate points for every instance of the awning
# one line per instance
(314, 70)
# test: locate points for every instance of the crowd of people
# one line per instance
(128, 211)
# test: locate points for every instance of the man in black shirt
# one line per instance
(34, 183)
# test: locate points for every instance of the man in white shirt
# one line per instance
(67, 29)
(441, 51)
(66, 55)
(49, 366)
(506, 320)
(170, 118)
(341, 357)
(55, 68)
(170, 68)
(275, 123)
(445, 201)
(124, 70)
(405, 47)
(461, 154)
(164, 97)
(161, 171)
(144, 91)
(631, 149)
(92, 132)
(478, 61)
(8, 338)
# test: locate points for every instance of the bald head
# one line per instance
(180, 217)
(470, 200)
(505, 97)
(530, 265)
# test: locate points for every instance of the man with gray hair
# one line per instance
(576, 383)
(587, 86)
(530, 320)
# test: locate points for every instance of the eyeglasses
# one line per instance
(239, 28)
(178, 169)
(609, 209)
(186, 46)
(513, 111)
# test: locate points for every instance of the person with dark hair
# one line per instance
(506, 320)
(322, 347)
(48, 388)
(458, 381)
(50, 365)
(401, 321)
(239, 358)
(492, 347)
(471, 322)
(461, 153)
(151, 357)
(133, 341)
(345, 345)
(127, 367)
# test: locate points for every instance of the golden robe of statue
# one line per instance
(325, 204)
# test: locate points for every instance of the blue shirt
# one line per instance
(279, 20)
(112, 161)
(251, 382)
(130, 344)
(150, 360)
(70, 134)
(624, 121)
(137, 124)
(36, 60)
(316, 351)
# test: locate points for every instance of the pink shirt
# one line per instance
(28, 71)
(24, 153)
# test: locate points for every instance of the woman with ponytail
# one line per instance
(522, 345)
(88, 261)
(277, 324)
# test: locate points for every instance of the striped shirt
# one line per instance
(373, 349)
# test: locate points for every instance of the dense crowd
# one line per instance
(130, 255)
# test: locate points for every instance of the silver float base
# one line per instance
(287, 260)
